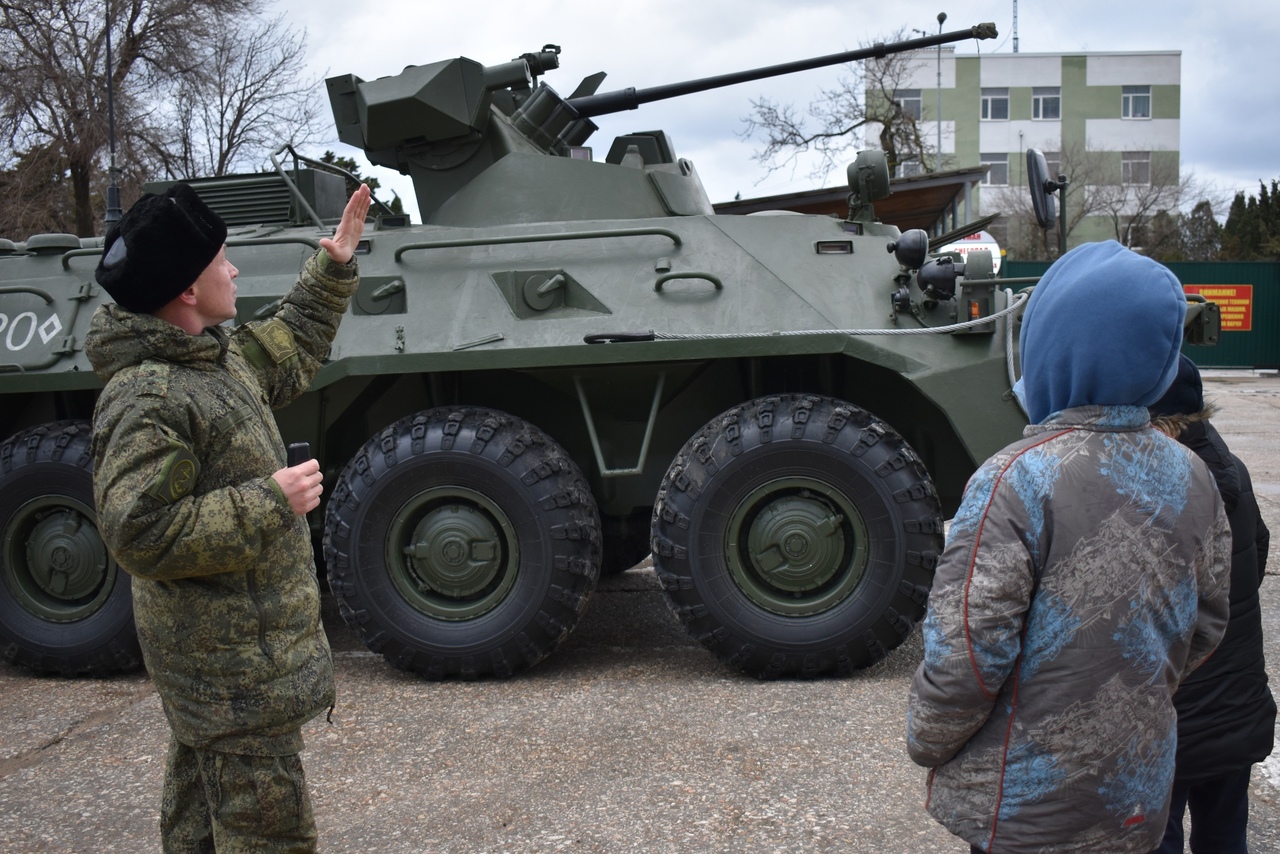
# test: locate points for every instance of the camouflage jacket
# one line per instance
(1084, 575)
(224, 589)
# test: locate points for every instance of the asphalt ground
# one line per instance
(631, 737)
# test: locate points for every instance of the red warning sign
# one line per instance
(1235, 302)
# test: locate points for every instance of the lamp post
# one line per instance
(926, 35)
(942, 17)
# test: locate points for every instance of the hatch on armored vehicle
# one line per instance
(569, 365)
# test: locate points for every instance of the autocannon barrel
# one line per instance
(447, 122)
(631, 98)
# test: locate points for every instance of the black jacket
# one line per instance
(1226, 715)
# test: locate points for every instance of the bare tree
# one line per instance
(53, 77)
(249, 96)
(34, 196)
(1135, 208)
(1086, 171)
(1145, 212)
(864, 101)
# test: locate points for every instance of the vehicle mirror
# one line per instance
(1042, 187)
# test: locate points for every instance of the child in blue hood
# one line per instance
(1085, 574)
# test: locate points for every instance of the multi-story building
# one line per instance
(1110, 120)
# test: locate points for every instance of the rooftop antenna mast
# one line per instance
(1015, 26)
(113, 213)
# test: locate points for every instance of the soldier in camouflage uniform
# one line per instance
(196, 502)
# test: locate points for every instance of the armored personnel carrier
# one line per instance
(570, 364)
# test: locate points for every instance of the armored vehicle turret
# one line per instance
(570, 364)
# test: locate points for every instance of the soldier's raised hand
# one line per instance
(345, 237)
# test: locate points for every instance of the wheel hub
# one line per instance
(66, 557)
(797, 542)
(55, 563)
(796, 546)
(454, 551)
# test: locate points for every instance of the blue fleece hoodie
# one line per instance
(1103, 327)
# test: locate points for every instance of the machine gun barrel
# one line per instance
(631, 98)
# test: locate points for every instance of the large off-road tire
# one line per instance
(797, 535)
(462, 542)
(65, 606)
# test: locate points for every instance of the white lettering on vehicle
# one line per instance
(19, 331)
(50, 328)
(13, 327)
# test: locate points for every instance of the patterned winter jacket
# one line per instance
(224, 588)
(1085, 574)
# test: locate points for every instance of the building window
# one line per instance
(998, 174)
(1135, 102)
(909, 101)
(1135, 168)
(995, 105)
(909, 168)
(1046, 103)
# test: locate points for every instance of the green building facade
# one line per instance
(1113, 117)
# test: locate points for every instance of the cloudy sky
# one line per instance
(1230, 62)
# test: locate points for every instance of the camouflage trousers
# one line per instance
(228, 802)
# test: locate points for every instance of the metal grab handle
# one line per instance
(77, 253)
(23, 289)
(688, 274)
(266, 241)
(242, 241)
(320, 166)
(540, 238)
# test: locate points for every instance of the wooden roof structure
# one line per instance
(934, 201)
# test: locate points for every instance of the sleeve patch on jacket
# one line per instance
(276, 338)
(177, 476)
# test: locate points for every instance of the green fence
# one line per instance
(1249, 295)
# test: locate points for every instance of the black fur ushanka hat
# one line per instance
(159, 248)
